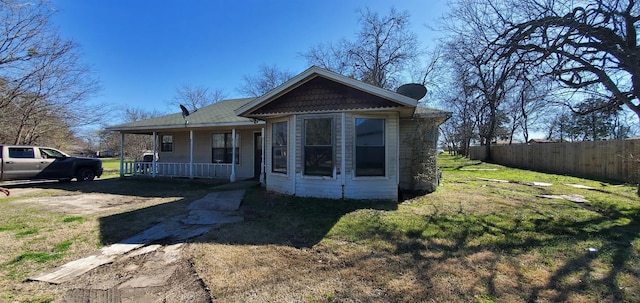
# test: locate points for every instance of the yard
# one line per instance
(476, 239)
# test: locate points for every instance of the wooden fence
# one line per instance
(613, 159)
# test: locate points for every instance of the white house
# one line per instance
(319, 134)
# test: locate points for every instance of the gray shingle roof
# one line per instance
(218, 114)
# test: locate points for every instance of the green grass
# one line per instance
(473, 240)
(538, 248)
(73, 219)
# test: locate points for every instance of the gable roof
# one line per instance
(249, 109)
(217, 114)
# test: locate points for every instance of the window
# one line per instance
(21, 152)
(318, 147)
(279, 148)
(370, 156)
(166, 143)
(222, 145)
(48, 153)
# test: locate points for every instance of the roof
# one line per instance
(314, 72)
(217, 114)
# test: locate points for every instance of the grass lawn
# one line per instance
(473, 240)
(111, 166)
(470, 241)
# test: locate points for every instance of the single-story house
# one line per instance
(320, 134)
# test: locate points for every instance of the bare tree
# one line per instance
(586, 45)
(383, 48)
(134, 144)
(195, 97)
(43, 84)
(486, 80)
(268, 78)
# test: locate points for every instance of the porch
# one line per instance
(178, 170)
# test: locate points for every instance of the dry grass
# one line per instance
(471, 241)
(36, 236)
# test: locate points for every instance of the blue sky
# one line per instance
(142, 50)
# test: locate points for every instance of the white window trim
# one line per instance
(386, 149)
(173, 143)
(333, 145)
(289, 147)
(238, 142)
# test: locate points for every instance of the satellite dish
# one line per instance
(412, 90)
(185, 111)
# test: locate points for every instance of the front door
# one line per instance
(257, 155)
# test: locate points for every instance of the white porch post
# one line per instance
(155, 150)
(262, 164)
(232, 178)
(191, 154)
(121, 155)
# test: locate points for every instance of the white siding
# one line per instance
(282, 183)
(294, 182)
(202, 149)
(373, 187)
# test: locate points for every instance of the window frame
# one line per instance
(21, 152)
(166, 147)
(283, 148)
(225, 149)
(306, 149)
(382, 146)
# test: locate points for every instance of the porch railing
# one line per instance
(166, 169)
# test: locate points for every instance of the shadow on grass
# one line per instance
(133, 186)
(443, 238)
(268, 219)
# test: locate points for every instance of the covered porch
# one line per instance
(211, 142)
(214, 153)
(177, 170)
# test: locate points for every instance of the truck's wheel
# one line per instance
(85, 174)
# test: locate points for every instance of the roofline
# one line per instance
(188, 126)
(315, 71)
(381, 109)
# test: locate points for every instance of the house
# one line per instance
(319, 134)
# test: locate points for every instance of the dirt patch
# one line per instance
(153, 274)
(90, 203)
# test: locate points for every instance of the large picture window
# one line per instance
(279, 148)
(318, 147)
(166, 143)
(370, 157)
(222, 146)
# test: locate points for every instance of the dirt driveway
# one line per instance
(156, 273)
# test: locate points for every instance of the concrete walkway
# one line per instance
(205, 213)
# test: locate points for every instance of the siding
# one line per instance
(332, 187)
(385, 188)
(202, 149)
(275, 181)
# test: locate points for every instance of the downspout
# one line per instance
(121, 155)
(191, 154)
(262, 163)
(232, 178)
(343, 164)
(155, 150)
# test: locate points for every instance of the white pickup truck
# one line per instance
(36, 163)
